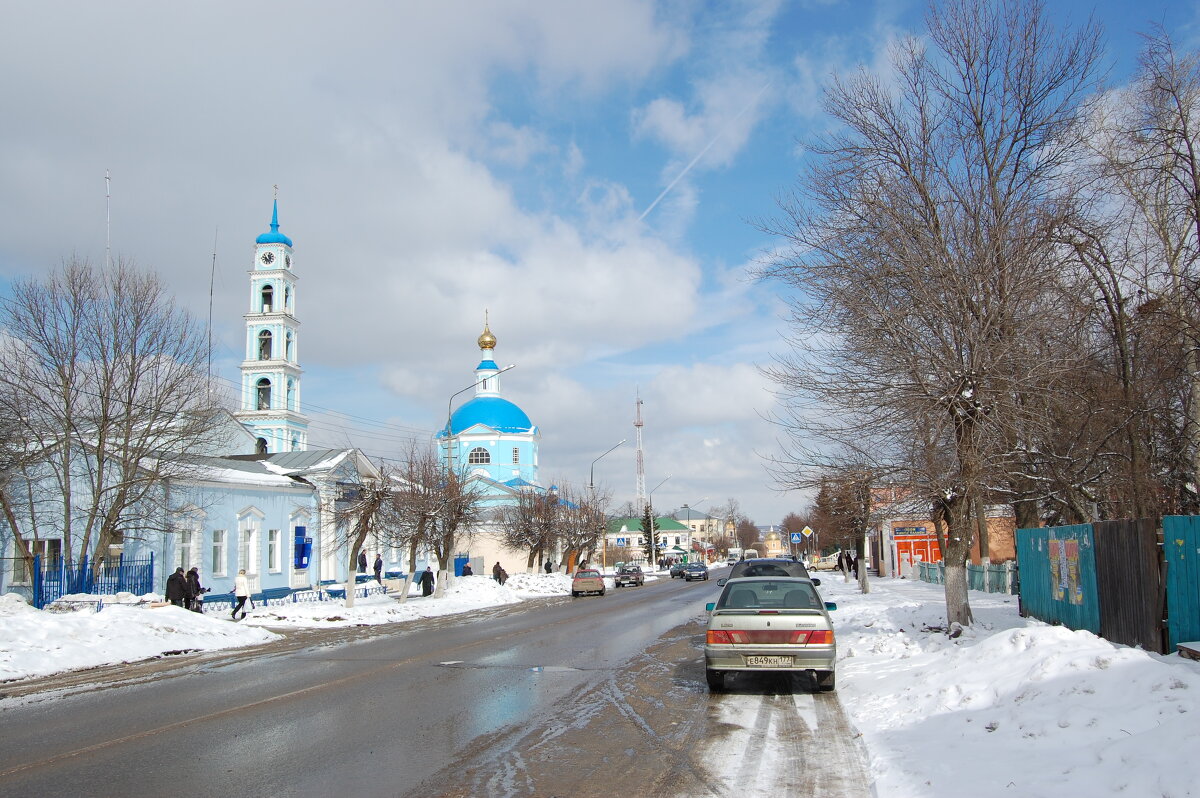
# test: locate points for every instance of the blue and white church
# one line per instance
(270, 391)
(489, 438)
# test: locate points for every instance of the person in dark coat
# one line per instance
(549, 567)
(362, 562)
(467, 569)
(178, 592)
(427, 581)
(503, 576)
(193, 580)
(496, 569)
(379, 568)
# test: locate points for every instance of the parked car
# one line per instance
(677, 569)
(629, 575)
(695, 570)
(828, 563)
(767, 623)
(769, 566)
(587, 580)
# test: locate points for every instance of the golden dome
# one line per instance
(487, 340)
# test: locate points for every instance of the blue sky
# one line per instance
(436, 160)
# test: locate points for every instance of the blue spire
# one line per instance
(274, 237)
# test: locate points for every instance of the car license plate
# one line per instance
(769, 662)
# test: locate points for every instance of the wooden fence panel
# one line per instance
(1058, 575)
(1129, 582)
(1181, 550)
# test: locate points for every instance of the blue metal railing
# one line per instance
(52, 581)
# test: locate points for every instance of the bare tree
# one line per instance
(103, 381)
(921, 243)
(532, 524)
(438, 509)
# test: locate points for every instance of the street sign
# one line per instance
(620, 541)
(797, 537)
(807, 532)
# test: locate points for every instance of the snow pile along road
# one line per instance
(1011, 707)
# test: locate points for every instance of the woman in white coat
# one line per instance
(241, 590)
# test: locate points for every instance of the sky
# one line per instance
(1013, 706)
(588, 174)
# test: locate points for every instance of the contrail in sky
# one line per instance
(700, 155)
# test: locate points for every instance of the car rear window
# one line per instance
(769, 568)
(769, 594)
(586, 574)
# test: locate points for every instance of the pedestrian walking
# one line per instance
(549, 567)
(241, 591)
(496, 569)
(193, 579)
(362, 562)
(467, 569)
(178, 592)
(503, 576)
(427, 581)
(379, 568)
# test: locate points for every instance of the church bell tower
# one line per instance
(270, 404)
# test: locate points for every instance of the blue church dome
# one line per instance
(274, 237)
(492, 411)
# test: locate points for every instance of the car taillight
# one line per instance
(769, 636)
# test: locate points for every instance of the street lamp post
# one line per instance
(651, 531)
(592, 497)
(688, 507)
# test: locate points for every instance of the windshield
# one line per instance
(783, 594)
(587, 574)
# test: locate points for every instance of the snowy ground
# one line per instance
(1011, 707)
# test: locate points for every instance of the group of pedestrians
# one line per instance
(184, 590)
(378, 568)
(499, 574)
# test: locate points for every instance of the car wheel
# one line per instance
(574, 594)
(601, 592)
(826, 681)
(716, 681)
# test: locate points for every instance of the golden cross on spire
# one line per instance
(276, 187)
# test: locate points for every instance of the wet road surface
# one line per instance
(567, 697)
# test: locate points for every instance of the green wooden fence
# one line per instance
(1058, 575)
(1181, 550)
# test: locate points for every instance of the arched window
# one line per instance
(287, 347)
(264, 345)
(260, 446)
(264, 394)
(478, 455)
(287, 298)
(268, 294)
(291, 394)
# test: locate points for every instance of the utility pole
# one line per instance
(641, 465)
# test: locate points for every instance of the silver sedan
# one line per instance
(770, 624)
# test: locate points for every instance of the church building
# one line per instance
(489, 438)
(270, 393)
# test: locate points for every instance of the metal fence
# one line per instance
(991, 578)
(56, 578)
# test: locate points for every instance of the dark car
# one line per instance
(769, 566)
(695, 570)
(677, 569)
(629, 575)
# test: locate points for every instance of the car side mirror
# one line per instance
(830, 606)
(710, 606)
(721, 582)
(816, 582)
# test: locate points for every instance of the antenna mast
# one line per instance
(107, 222)
(212, 276)
(641, 465)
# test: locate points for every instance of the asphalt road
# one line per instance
(567, 697)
